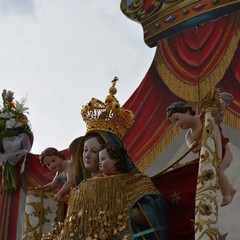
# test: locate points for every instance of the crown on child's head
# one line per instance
(107, 116)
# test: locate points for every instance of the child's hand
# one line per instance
(46, 188)
(35, 188)
(58, 197)
(32, 188)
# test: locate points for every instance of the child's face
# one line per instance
(106, 163)
(182, 120)
(54, 163)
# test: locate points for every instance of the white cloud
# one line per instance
(63, 52)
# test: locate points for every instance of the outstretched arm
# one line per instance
(52, 185)
(65, 189)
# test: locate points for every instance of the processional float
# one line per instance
(197, 49)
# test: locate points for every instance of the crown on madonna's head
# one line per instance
(109, 115)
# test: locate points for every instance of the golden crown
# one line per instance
(107, 116)
(163, 18)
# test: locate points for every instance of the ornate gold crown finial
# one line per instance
(112, 91)
(107, 116)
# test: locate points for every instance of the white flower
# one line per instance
(6, 115)
(12, 123)
(19, 106)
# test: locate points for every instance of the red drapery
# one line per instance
(185, 67)
(178, 187)
(180, 56)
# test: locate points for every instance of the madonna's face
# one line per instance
(90, 155)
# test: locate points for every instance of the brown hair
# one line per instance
(73, 146)
(179, 107)
(97, 136)
(50, 152)
(117, 153)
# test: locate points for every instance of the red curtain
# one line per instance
(178, 188)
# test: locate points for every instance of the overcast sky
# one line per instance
(60, 54)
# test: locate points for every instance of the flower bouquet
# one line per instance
(16, 139)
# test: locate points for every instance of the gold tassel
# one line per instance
(147, 160)
(90, 215)
(231, 119)
(99, 207)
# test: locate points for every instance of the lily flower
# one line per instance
(19, 107)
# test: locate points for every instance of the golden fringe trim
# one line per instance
(190, 92)
(99, 207)
(232, 120)
(91, 215)
(147, 160)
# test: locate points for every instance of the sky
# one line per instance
(61, 53)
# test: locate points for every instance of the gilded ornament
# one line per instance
(103, 235)
(207, 175)
(126, 237)
(80, 213)
(118, 201)
(205, 209)
(175, 197)
(88, 238)
(107, 116)
(105, 223)
(120, 228)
